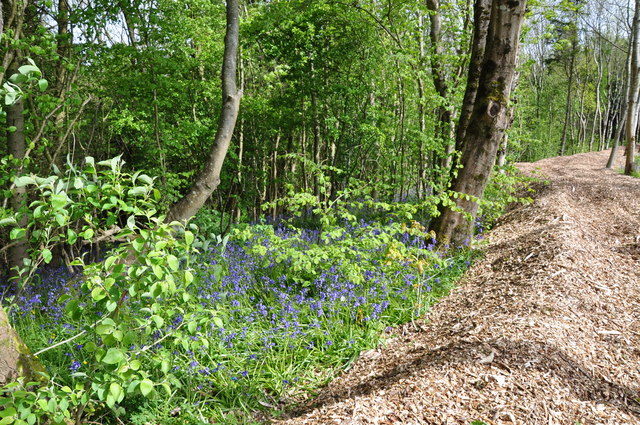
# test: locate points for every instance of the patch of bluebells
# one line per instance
(274, 310)
(41, 297)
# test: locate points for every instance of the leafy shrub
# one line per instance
(506, 187)
(120, 311)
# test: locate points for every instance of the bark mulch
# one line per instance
(543, 330)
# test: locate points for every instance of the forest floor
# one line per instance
(544, 329)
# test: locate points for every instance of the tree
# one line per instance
(209, 178)
(633, 92)
(489, 117)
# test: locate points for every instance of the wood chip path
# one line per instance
(543, 330)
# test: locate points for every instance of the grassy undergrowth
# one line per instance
(292, 306)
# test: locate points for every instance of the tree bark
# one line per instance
(209, 178)
(489, 117)
(17, 147)
(482, 11)
(624, 108)
(567, 115)
(634, 91)
(445, 116)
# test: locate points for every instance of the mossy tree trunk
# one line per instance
(489, 117)
(15, 358)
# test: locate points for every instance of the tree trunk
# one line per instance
(17, 148)
(489, 118)
(634, 91)
(623, 113)
(481, 12)
(567, 115)
(15, 357)
(209, 178)
(445, 117)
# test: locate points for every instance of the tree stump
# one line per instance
(16, 359)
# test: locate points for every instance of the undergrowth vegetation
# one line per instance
(169, 327)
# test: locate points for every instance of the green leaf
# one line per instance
(138, 244)
(43, 84)
(61, 219)
(108, 263)
(72, 236)
(10, 97)
(131, 222)
(159, 321)
(51, 405)
(188, 277)
(9, 411)
(12, 129)
(111, 401)
(17, 233)
(73, 309)
(218, 322)
(113, 356)
(129, 339)
(116, 391)
(111, 306)
(58, 201)
(28, 69)
(172, 260)
(137, 191)
(23, 181)
(104, 329)
(98, 293)
(46, 255)
(146, 386)
(188, 237)
(145, 179)
(157, 270)
(8, 221)
(88, 234)
(7, 420)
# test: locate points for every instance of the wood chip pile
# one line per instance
(543, 330)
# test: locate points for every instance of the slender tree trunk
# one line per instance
(17, 148)
(209, 178)
(422, 174)
(445, 117)
(274, 175)
(597, 116)
(616, 142)
(567, 115)
(489, 118)
(316, 132)
(634, 91)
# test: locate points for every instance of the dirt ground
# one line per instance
(543, 330)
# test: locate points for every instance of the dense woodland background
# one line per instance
(367, 90)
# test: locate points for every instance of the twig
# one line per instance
(160, 340)
(104, 236)
(44, 350)
(70, 128)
